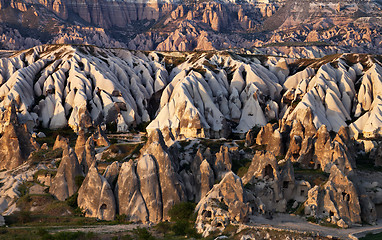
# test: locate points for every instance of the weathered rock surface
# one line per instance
(16, 143)
(111, 173)
(223, 162)
(128, 195)
(96, 197)
(150, 187)
(336, 200)
(170, 182)
(64, 183)
(85, 151)
(225, 202)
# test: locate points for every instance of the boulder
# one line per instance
(95, 196)
(37, 189)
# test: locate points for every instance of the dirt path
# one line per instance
(279, 222)
(295, 223)
(101, 228)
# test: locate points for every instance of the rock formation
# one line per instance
(170, 182)
(150, 187)
(111, 173)
(225, 202)
(66, 182)
(337, 200)
(16, 142)
(100, 203)
(128, 195)
(85, 151)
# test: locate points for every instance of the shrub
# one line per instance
(24, 217)
(143, 234)
(79, 180)
(23, 189)
(73, 236)
(72, 201)
(180, 227)
(163, 227)
(182, 211)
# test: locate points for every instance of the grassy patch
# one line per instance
(45, 155)
(43, 234)
(240, 167)
(118, 152)
(182, 222)
(44, 210)
(214, 145)
(51, 136)
(364, 162)
(371, 236)
(313, 176)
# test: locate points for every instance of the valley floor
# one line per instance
(279, 222)
(295, 223)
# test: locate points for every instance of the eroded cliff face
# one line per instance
(307, 126)
(17, 143)
(177, 26)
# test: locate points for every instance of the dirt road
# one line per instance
(296, 223)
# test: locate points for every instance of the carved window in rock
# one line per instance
(268, 172)
(285, 184)
(206, 214)
(345, 196)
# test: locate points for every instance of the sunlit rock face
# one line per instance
(192, 94)
(306, 124)
(294, 28)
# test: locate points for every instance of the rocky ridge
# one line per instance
(190, 95)
(178, 26)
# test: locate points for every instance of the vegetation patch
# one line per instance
(240, 167)
(45, 155)
(182, 222)
(119, 152)
(51, 136)
(371, 236)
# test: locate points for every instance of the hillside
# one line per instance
(129, 135)
(351, 26)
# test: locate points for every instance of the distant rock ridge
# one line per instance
(185, 26)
